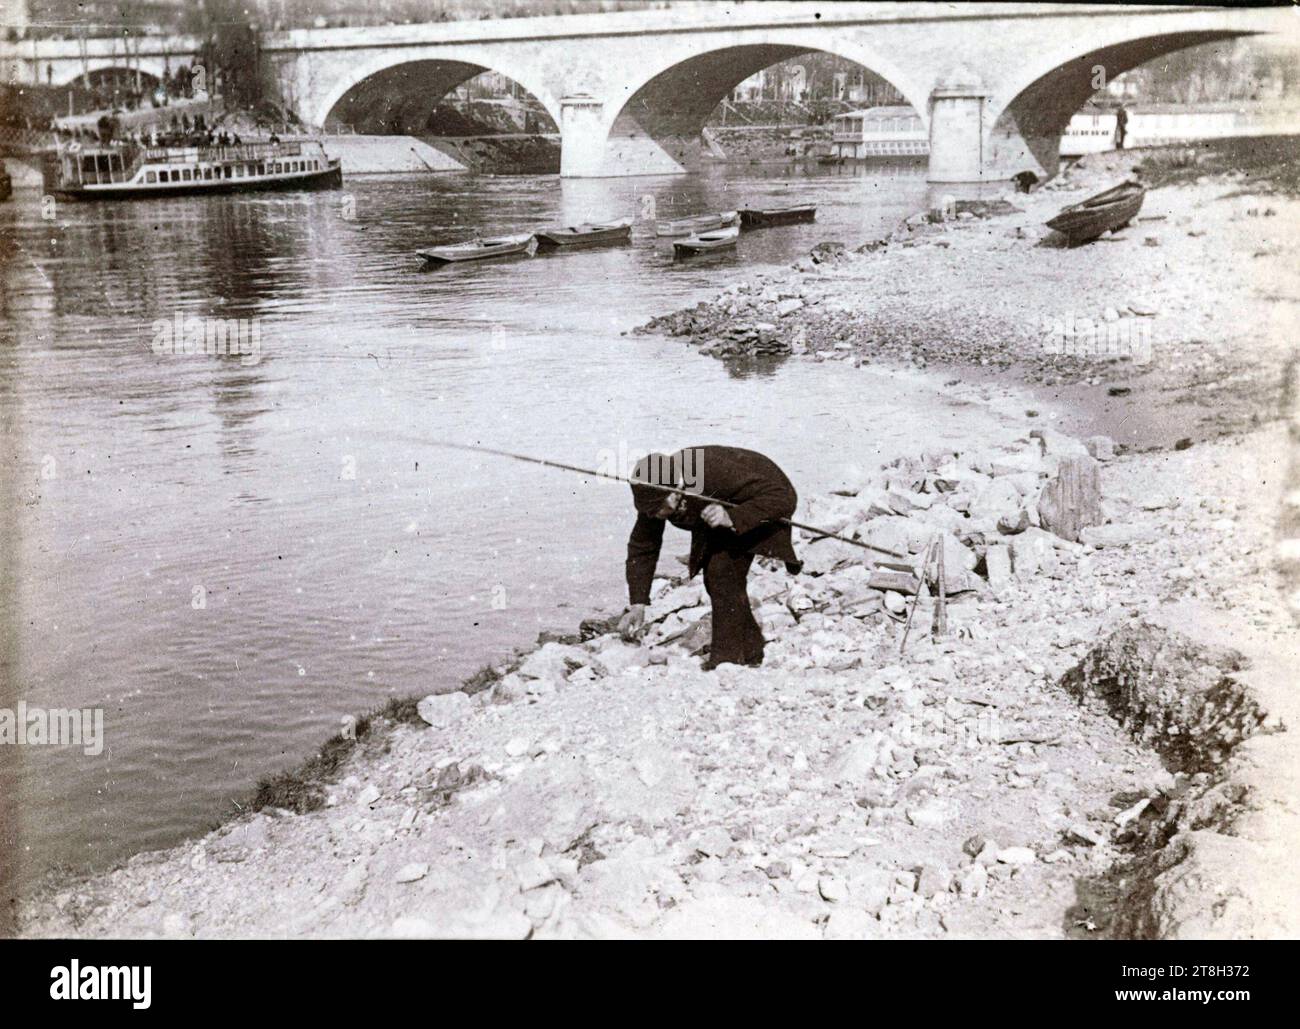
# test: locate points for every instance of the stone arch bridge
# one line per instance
(995, 84)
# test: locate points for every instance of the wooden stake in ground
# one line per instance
(940, 626)
(925, 571)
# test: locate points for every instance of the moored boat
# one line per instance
(697, 223)
(702, 242)
(585, 235)
(1090, 218)
(478, 249)
(761, 217)
(125, 170)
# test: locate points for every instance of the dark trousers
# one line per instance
(736, 635)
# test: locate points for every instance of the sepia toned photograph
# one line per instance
(612, 470)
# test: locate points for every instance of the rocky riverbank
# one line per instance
(1094, 745)
(985, 782)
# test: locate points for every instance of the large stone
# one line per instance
(1101, 447)
(691, 595)
(1015, 463)
(827, 554)
(898, 582)
(933, 880)
(997, 561)
(1033, 551)
(444, 709)
(998, 499)
(857, 763)
(1013, 526)
(941, 516)
(956, 555)
(1071, 501)
(892, 533)
(870, 889)
(553, 661)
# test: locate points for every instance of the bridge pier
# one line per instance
(592, 148)
(957, 116)
(582, 136)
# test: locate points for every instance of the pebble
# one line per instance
(832, 890)
(848, 923)
(931, 816)
(533, 874)
(412, 872)
(973, 880)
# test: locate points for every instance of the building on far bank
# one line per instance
(1092, 130)
(895, 131)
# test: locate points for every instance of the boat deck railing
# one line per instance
(241, 152)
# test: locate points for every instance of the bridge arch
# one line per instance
(1030, 112)
(401, 91)
(668, 103)
(100, 68)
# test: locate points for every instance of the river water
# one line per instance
(229, 556)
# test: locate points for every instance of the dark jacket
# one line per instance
(753, 482)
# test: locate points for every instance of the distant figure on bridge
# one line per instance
(1121, 126)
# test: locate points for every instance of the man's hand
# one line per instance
(716, 517)
(631, 625)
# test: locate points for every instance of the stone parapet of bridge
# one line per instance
(60, 62)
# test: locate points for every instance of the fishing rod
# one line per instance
(820, 533)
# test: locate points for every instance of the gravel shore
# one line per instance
(1175, 327)
(1095, 746)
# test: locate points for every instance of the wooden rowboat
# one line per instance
(1090, 218)
(761, 217)
(585, 235)
(698, 223)
(705, 241)
(478, 249)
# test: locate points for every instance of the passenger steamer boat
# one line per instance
(126, 170)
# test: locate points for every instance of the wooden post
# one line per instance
(916, 600)
(940, 626)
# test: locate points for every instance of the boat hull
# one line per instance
(694, 226)
(758, 218)
(1092, 218)
(704, 243)
(328, 178)
(458, 255)
(555, 239)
